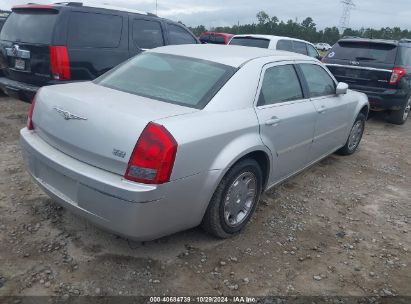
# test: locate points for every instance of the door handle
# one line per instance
(322, 109)
(273, 121)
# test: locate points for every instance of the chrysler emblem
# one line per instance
(67, 115)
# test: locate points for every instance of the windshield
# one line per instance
(250, 41)
(32, 26)
(364, 51)
(175, 79)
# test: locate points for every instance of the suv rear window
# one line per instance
(30, 26)
(94, 30)
(174, 79)
(364, 51)
(251, 41)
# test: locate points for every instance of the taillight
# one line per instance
(30, 125)
(59, 63)
(153, 157)
(397, 74)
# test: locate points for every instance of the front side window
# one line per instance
(285, 45)
(174, 79)
(300, 47)
(178, 35)
(92, 30)
(280, 84)
(318, 80)
(147, 34)
(312, 52)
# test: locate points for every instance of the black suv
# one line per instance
(379, 68)
(51, 44)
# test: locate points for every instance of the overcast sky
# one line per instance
(368, 13)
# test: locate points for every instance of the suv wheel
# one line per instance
(355, 136)
(399, 117)
(234, 200)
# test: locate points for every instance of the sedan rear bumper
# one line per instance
(135, 211)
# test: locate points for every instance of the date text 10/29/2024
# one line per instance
(222, 299)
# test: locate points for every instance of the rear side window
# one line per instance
(91, 30)
(30, 26)
(318, 80)
(406, 56)
(284, 45)
(250, 41)
(364, 52)
(147, 34)
(280, 84)
(300, 47)
(178, 35)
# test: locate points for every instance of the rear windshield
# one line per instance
(30, 26)
(214, 39)
(250, 41)
(364, 51)
(174, 79)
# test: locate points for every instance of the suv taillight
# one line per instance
(59, 63)
(397, 74)
(30, 125)
(153, 157)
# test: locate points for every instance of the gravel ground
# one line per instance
(340, 228)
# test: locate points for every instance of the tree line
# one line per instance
(305, 30)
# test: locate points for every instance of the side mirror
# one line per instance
(342, 88)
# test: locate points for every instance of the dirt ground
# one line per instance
(341, 228)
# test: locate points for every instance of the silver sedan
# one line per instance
(187, 135)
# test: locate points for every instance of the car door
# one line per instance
(145, 33)
(332, 110)
(286, 118)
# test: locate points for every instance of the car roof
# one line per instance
(232, 55)
(80, 5)
(369, 40)
(271, 37)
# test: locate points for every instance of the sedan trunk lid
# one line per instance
(97, 125)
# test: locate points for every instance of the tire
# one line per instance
(216, 220)
(399, 117)
(355, 136)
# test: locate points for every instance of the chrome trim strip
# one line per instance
(18, 53)
(357, 67)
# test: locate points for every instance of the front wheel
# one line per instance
(399, 117)
(355, 136)
(234, 200)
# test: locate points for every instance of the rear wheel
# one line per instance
(399, 117)
(355, 136)
(234, 200)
